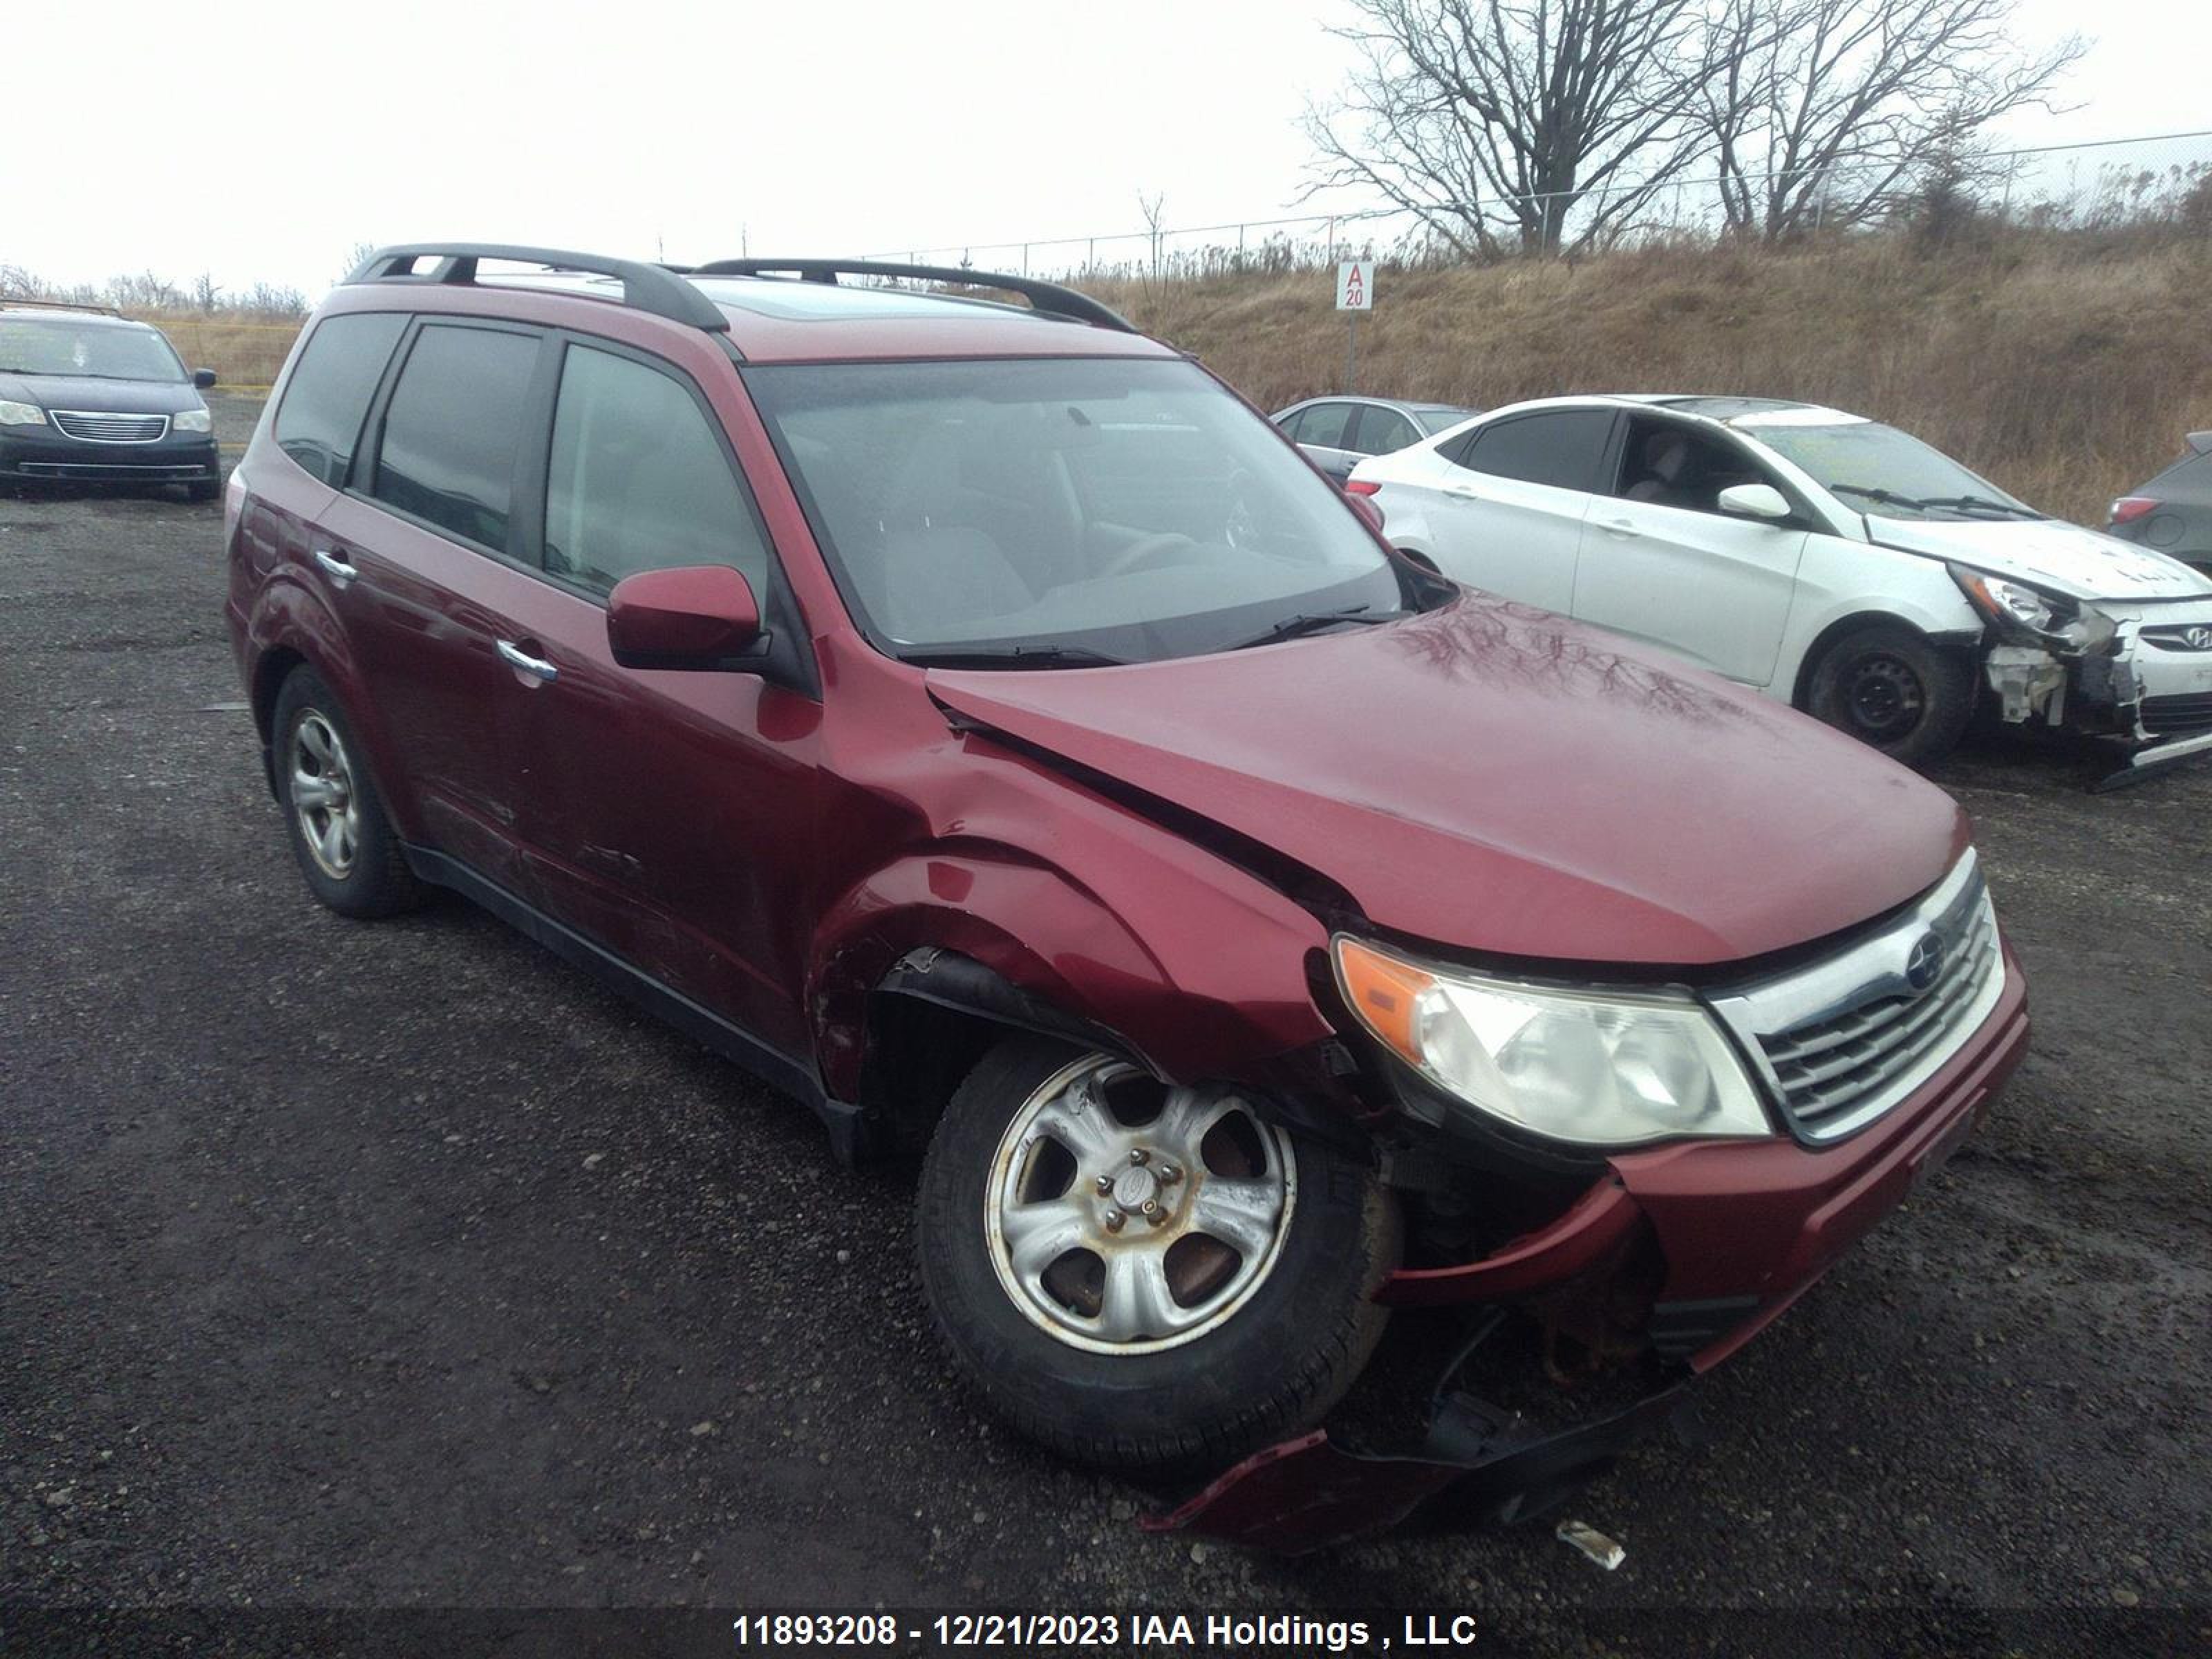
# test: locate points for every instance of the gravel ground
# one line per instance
(398, 1266)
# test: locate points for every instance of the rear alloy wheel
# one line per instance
(1892, 689)
(346, 846)
(1143, 1275)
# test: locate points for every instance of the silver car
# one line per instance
(1337, 433)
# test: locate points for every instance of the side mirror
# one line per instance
(697, 617)
(1755, 500)
(204, 378)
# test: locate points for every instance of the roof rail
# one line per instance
(1049, 298)
(8, 302)
(647, 287)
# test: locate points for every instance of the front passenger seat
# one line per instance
(1666, 457)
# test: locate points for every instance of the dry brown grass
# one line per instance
(2064, 365)
(246, 353)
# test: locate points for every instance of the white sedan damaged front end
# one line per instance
(2138, 670)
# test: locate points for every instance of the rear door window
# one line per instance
(1324, 425)
(1560, 447)
(1381, 431)
(453, 428)
(639, 481)
(318, 422)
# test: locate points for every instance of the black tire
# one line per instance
(206, 491)
(1895, 691)
(374, 880)
(1271, 1368)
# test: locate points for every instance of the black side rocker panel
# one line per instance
(772, 1067)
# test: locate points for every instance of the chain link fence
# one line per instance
(2108, 184)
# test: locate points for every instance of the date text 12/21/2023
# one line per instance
(1413, 1631)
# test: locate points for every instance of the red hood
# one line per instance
(1495, 779)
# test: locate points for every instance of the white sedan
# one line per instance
(1835, 564)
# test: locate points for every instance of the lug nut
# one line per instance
(1152, 1206)
(1168, 1172)
(1105, 1183)
(1113, 1220)
(1139, 1155)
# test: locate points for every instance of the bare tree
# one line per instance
(1834, 112)
(1539, 124)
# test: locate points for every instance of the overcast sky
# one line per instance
(261, 139)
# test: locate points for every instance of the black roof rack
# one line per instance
(655, 289)
(1049, 298)
(9, 303)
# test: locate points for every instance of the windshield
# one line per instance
(1434, 421)
(1877, 469)
(104, 351)
(1075, 510)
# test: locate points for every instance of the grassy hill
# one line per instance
(2064, 365)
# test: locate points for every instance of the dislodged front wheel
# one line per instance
(1894, 688)
(1144, 1275)
(1126, 1216)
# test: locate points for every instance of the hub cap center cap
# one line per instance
(1135, 1187)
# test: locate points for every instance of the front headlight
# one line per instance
(2001, 601)
(192, 420)
(2017, 608)
(21, 414)
(1597, 1069)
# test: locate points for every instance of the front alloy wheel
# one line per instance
(1126, 1216)
(1145, 1276)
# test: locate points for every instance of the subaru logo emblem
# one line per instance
(1925, 963)
(2198, 639)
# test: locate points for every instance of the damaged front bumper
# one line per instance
(2148, 686)
(1740, 1230)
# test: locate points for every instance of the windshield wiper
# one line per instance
(1970, 503)
(1947, 503)
(1887, 497)
(1310, 621)
(1013, 656)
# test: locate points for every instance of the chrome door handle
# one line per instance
(515, 657)
(340, 573)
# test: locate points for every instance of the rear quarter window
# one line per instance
(453, 428)
(1563, 448)
(318, 422)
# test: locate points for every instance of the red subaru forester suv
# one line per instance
(977, 720)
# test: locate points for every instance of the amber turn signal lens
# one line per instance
(1384, 992)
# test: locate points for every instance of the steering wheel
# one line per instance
(1144, 551)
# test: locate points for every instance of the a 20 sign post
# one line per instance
(1355, 293)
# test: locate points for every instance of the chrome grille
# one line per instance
(102, 427)
(1842, 1041)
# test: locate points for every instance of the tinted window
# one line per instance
(1381, 431)
(319, 420)
(638, 479)
(1324, 424)
(451, 428)
(1562, 448)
